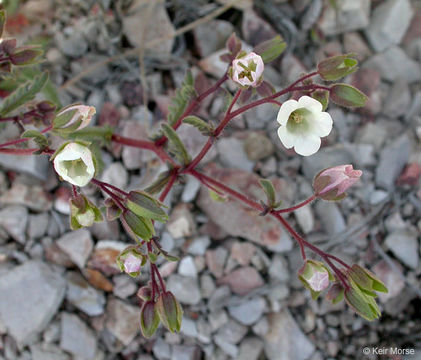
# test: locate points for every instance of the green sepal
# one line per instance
(145, 205)
(157, 185)
(39, 138)
(137, 226)
(102, 134)
(322, 96)
(337, 67)
(347, 96)
(169, 311)
(149, 319)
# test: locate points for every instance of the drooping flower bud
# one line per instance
(131, 260)
(331, 184)
(365, 279)
(149, 319)
(74, 117)
(170, 311)
(83, 212)
(337, 67)
(315, 276)
(112, 212)
(74, 163)
(247, 70)
(144, 293)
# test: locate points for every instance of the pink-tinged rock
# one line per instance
(215, 260)
(236, 218)
(368, 81)
(104, 256)
(109, 115)
(410, 175)
(414, 30)
(242, 252)
(392, 279)
(242, 280)
(213, 230)
(194, 142)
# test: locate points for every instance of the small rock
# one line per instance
(354, 43)
(83, 296)
(185, 352)
(251, 348)
(404, 246)
(331, 217)
(74, 45)
(232, 154)
(228, 348)
(258, 146)
(389, 23)
(30, 295)
(398, 99)
(190, 189)
(391, 278)
(259, 116)
(135, 158)
(393, 64)
(37, 166)
(410, 175)
(393, 158)
(77, 245)
(76, 337)
(215, 260)
(122, 320)
(373, 134)
(213, 65)
(285, 340)
(242, 252)
(199, 245)
(188, 327)
(181, 222)
(217, 319)
(47, 352)
(13, 219)
(305, 218)
(207, 285)
(105, 255)
(212, 36)
(124, 286)
(33, 197)
(187, 267)
(368, 81)
(232, 332)
(154, 24)
(185, 289)
(350, 15)
(248, 312)
(324, 158)
(115, 174)
(219, 298)
(161, 349)
(37, 225)
(97, 280)
(242, 280)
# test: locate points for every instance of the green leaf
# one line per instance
(23, 94)
(269, 190)
(142, 204)
(176, 146)
(26, 55)
(363, 304)
(271, 49)
(159, 183)
(102, 134)
(337, 67)
(2, 21)
(181, 99)
(200, 124)
(137, 226)
(347, 96)
(39, 138)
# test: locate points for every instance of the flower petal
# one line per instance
(285, 111)
(287, 139)
(307, 145)
(322, 124)
(309, 103)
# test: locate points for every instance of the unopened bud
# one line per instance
(149, 319)
(170, 311)
(315, 276)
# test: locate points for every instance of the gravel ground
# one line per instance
(61, 295)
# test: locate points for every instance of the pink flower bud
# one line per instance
(81, 113)
(331, 184)
(248, 70)
(132, 264)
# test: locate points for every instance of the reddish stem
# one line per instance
(161, 281)
(295, 207)
(118, 200)
(115, 188)
(19, 141)
(161, 141)
(168, 187)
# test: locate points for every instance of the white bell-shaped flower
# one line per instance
(74, 163)
(303, 123)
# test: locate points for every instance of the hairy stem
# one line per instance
(295, 207)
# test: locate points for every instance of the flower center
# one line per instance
(75, 168)
(298, 121)
(248, 69)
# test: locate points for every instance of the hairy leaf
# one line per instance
(198, 123)
(181, 99)
(176, 146)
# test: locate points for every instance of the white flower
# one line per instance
(248, 70)
(74, 163)
(303, 123)
(83, 113)
(132, 264)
